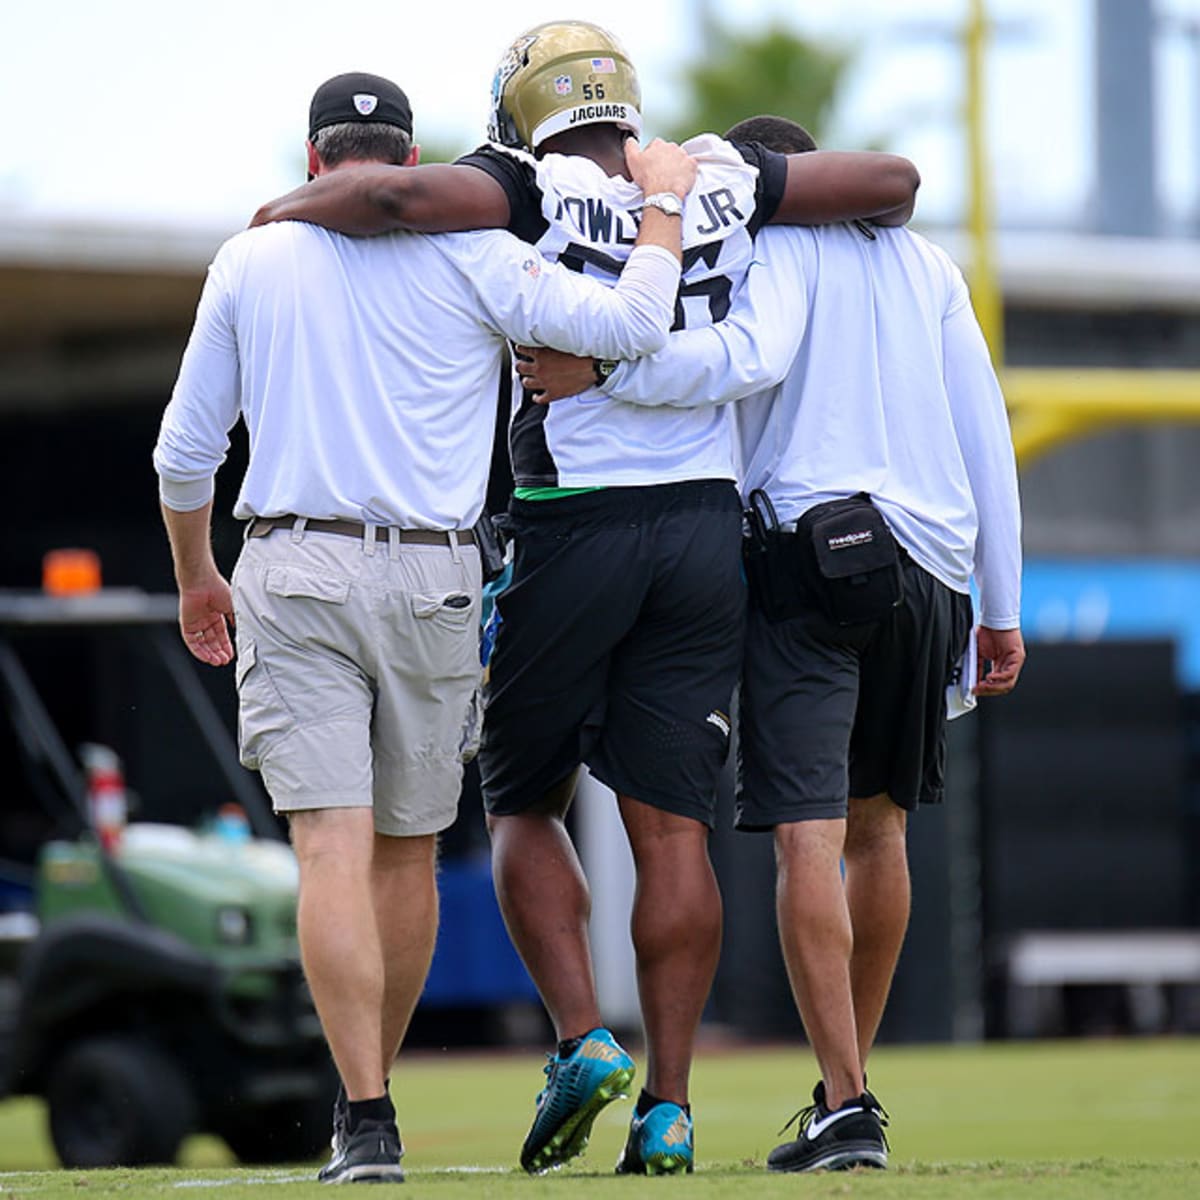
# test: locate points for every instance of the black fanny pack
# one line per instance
(858, 575)
(842, 560)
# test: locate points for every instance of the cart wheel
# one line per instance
(118, 1102)
(286, 1131)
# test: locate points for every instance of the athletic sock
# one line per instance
(646, 1101)
(568, 1046)
(379, 1108)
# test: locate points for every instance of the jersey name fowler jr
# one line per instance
(596, 221)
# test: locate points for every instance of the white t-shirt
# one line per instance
(887, 388)
(366, 368)
(588, 440)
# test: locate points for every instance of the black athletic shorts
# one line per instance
(619, 646)
(830, 712)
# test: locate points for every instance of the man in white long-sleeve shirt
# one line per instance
(365, 373)
(887, 390)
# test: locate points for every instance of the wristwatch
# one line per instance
(602, 368)
(666, 202)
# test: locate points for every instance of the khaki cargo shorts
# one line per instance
(358, 674)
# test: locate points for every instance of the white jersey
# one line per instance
(366, 368)
(589, 440)
(887, 388)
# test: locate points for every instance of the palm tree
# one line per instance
(773, 71)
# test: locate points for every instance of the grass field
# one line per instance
(1030, 1120)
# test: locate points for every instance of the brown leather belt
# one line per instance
(261, 526)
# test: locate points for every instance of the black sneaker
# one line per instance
(850, 1136)
(371, 1154)
(341, 1131)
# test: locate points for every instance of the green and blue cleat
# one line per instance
(660, 1143)
(577, 1087)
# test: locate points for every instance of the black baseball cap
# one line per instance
(358, 96)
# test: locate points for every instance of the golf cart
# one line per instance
(150, 982)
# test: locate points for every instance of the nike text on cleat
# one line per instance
(659, 1143)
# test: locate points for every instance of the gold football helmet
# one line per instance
(558, 76)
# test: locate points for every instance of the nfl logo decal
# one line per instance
(365, 103)
(604, 66)
(562, 85)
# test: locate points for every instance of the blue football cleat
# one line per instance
(660, 1143)
(577, 1088)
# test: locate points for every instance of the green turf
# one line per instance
(1045, 1119)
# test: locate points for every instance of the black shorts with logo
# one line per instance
(619, 646)
(830, 712)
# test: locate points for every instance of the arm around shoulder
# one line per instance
(824, 186)
(377, 198)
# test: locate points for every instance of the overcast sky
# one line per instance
(181, 110)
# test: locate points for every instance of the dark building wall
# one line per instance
(84, 478)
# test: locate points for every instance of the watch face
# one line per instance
(666, 202)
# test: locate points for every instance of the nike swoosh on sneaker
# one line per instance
(816, 1128)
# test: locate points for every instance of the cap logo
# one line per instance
(365, 103)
